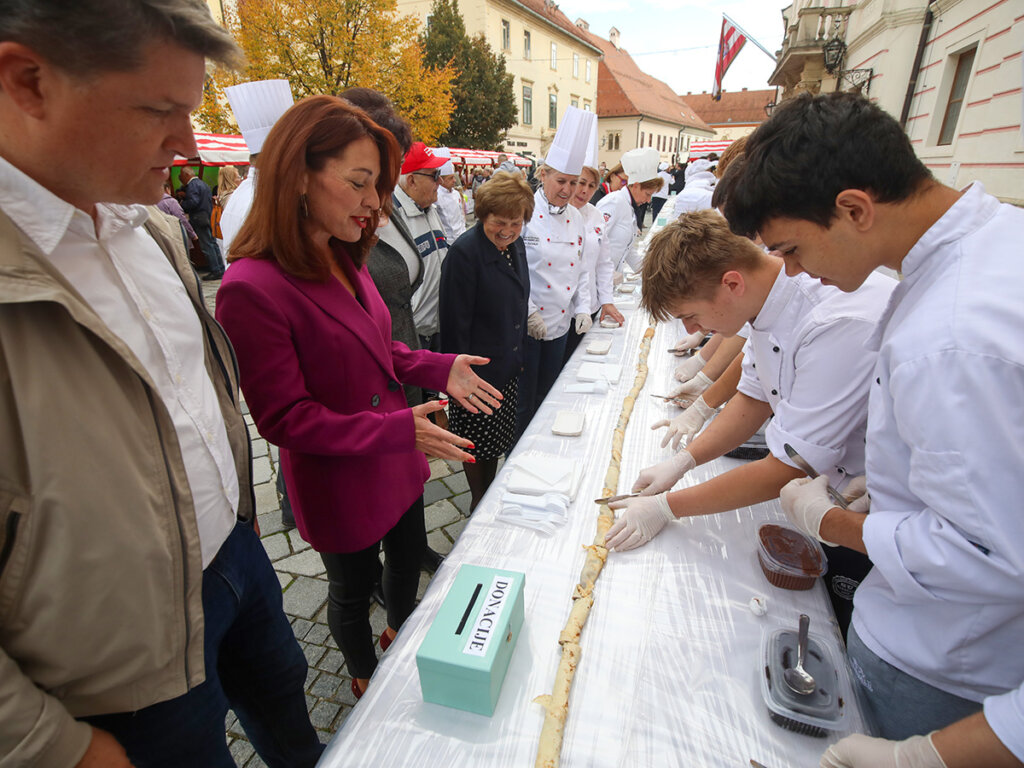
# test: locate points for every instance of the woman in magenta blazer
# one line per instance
(320, 373)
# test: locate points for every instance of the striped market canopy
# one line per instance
(217, 149)
(705, 148)
(485, 157)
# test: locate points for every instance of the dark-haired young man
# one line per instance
(804, 362)
(136, 601)
(832, 184)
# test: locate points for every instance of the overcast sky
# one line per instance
(677, 40)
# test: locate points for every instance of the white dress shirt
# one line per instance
(945, 600)
(136, 293)
(805, 355)
(559, 286)
(236, 210)
(453, 218)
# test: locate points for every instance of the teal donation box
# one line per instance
(464, 657)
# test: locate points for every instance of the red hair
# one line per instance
(303, 139)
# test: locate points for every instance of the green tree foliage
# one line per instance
(485, 103)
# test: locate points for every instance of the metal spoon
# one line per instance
(798, 678)
(801, 462)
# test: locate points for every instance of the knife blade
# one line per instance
(801, 462)
(755, 764)
(610, 499)
(682, 402)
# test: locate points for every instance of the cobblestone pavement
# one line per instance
(304, 582)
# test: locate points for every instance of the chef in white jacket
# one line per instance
(620, 230)
(559, 286)
(449, 199)
(256, 105)
(936, 636)
(700, 186)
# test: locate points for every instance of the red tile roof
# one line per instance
(735, 107)
(550, 12)
(623, 89)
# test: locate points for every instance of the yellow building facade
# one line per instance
(552, 67)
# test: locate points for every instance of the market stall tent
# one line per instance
(705, 148)
(486, 157)
(217, 149)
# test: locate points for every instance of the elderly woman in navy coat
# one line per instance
(485, 286)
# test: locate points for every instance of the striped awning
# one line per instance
(485, 157)
(705, 148)
(218, 149)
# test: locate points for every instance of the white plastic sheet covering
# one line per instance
(670, 653)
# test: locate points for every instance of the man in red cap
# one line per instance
(415, 232)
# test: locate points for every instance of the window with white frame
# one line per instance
(957, 92)
(586, 69)
(553, 111)
(575, 65)
(586, 106)
(554, 56)
(506, 35)
(527, 104)
(526, 44)
(575, 101)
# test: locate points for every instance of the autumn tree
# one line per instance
(330, 45)
(485, 103)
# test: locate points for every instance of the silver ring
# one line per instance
(469, 396)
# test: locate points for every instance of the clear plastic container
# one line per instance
(788, 558)
(813, 714)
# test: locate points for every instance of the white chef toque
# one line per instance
(257, 106)
(569, 148)
(641, 165)
(448, 169)
(590, 160)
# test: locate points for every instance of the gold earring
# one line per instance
(304, 205)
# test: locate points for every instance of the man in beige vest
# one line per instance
(136, 602)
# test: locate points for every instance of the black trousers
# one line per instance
(656, 205)
(353, 575)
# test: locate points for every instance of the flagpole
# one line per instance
(751, 39)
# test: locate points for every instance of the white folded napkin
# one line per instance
(538, 474)
(607, 372)
(588, 388)
(541, 513)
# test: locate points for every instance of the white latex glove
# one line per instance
(536, 327)
(690, 341)
(689, 368)
(685, 425)
(805, 503)
(584, 322)
(641, 520)
(856, 493)
(860, 751)
(691, 388)
(664, 475)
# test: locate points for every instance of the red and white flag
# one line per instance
(729, 45)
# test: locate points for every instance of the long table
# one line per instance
(670, 664)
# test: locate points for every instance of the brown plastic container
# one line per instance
(788, 558)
